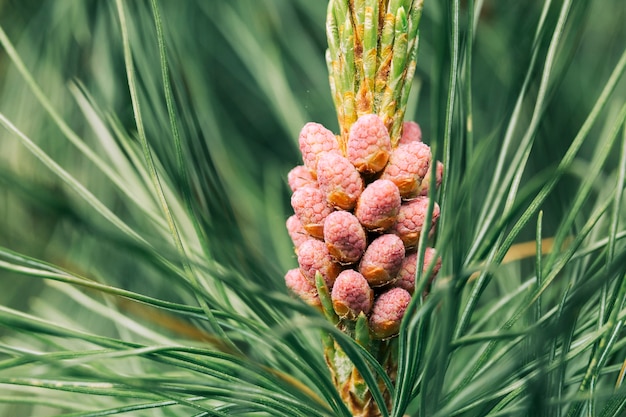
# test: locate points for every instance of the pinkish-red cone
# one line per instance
(299, 177)
(407, 167)
(296, 231)
(378, 205)
(406, 276)
(369, 144)
(344, 237)
(351, 295)
(382, 260)
(339, 180)
(299, 285)
(410, 220)
(313, 256)
(309, 204)
(411, 132)
(425, 187)
(387, 312)
(315, 139)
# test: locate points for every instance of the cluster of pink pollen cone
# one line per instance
(360, 208)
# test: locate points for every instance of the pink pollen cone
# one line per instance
(339, 180)
(369, 144)
(296, 231)
(406, 276)
(351, 295)
(378, 205)
(411, 132)
(344, 237)
(382, 260)
(410, 220)
(425, 187)
(314, 140)
(387, 313)
(310, 206)
(299, 177)
(408, 164)
(302, 287)
(313, 256)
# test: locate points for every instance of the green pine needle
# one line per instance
(143, 201)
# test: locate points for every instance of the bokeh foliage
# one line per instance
(245, 75)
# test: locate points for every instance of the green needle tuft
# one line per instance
(372, 51)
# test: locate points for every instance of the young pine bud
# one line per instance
(382, 260)
(406, 276)
(369, 144)
(411, 132)
(387, 313)
(296, 231)
(309, 204)
(351, 295)
(314, 140)
(344, 237)
(378, 205)
(339, 180)
(313, 256)
(407, 167)
(302, 287)
(425, 188)
(299, 177)
(410, 220)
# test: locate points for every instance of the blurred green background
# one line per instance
(247, 75)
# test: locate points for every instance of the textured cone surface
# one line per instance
(296, 231)
(425, 188)
(388, 311)
(302, 287)
(314, 140)
(344, 237)
(369, 144)
(407, 167)
(309, 204)
(382, 260)
(406, 276)
(299, 177)
(410, 220)
(339, 180)
(313, 256)
(378, 205)
(411, 132)
(351, 295)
